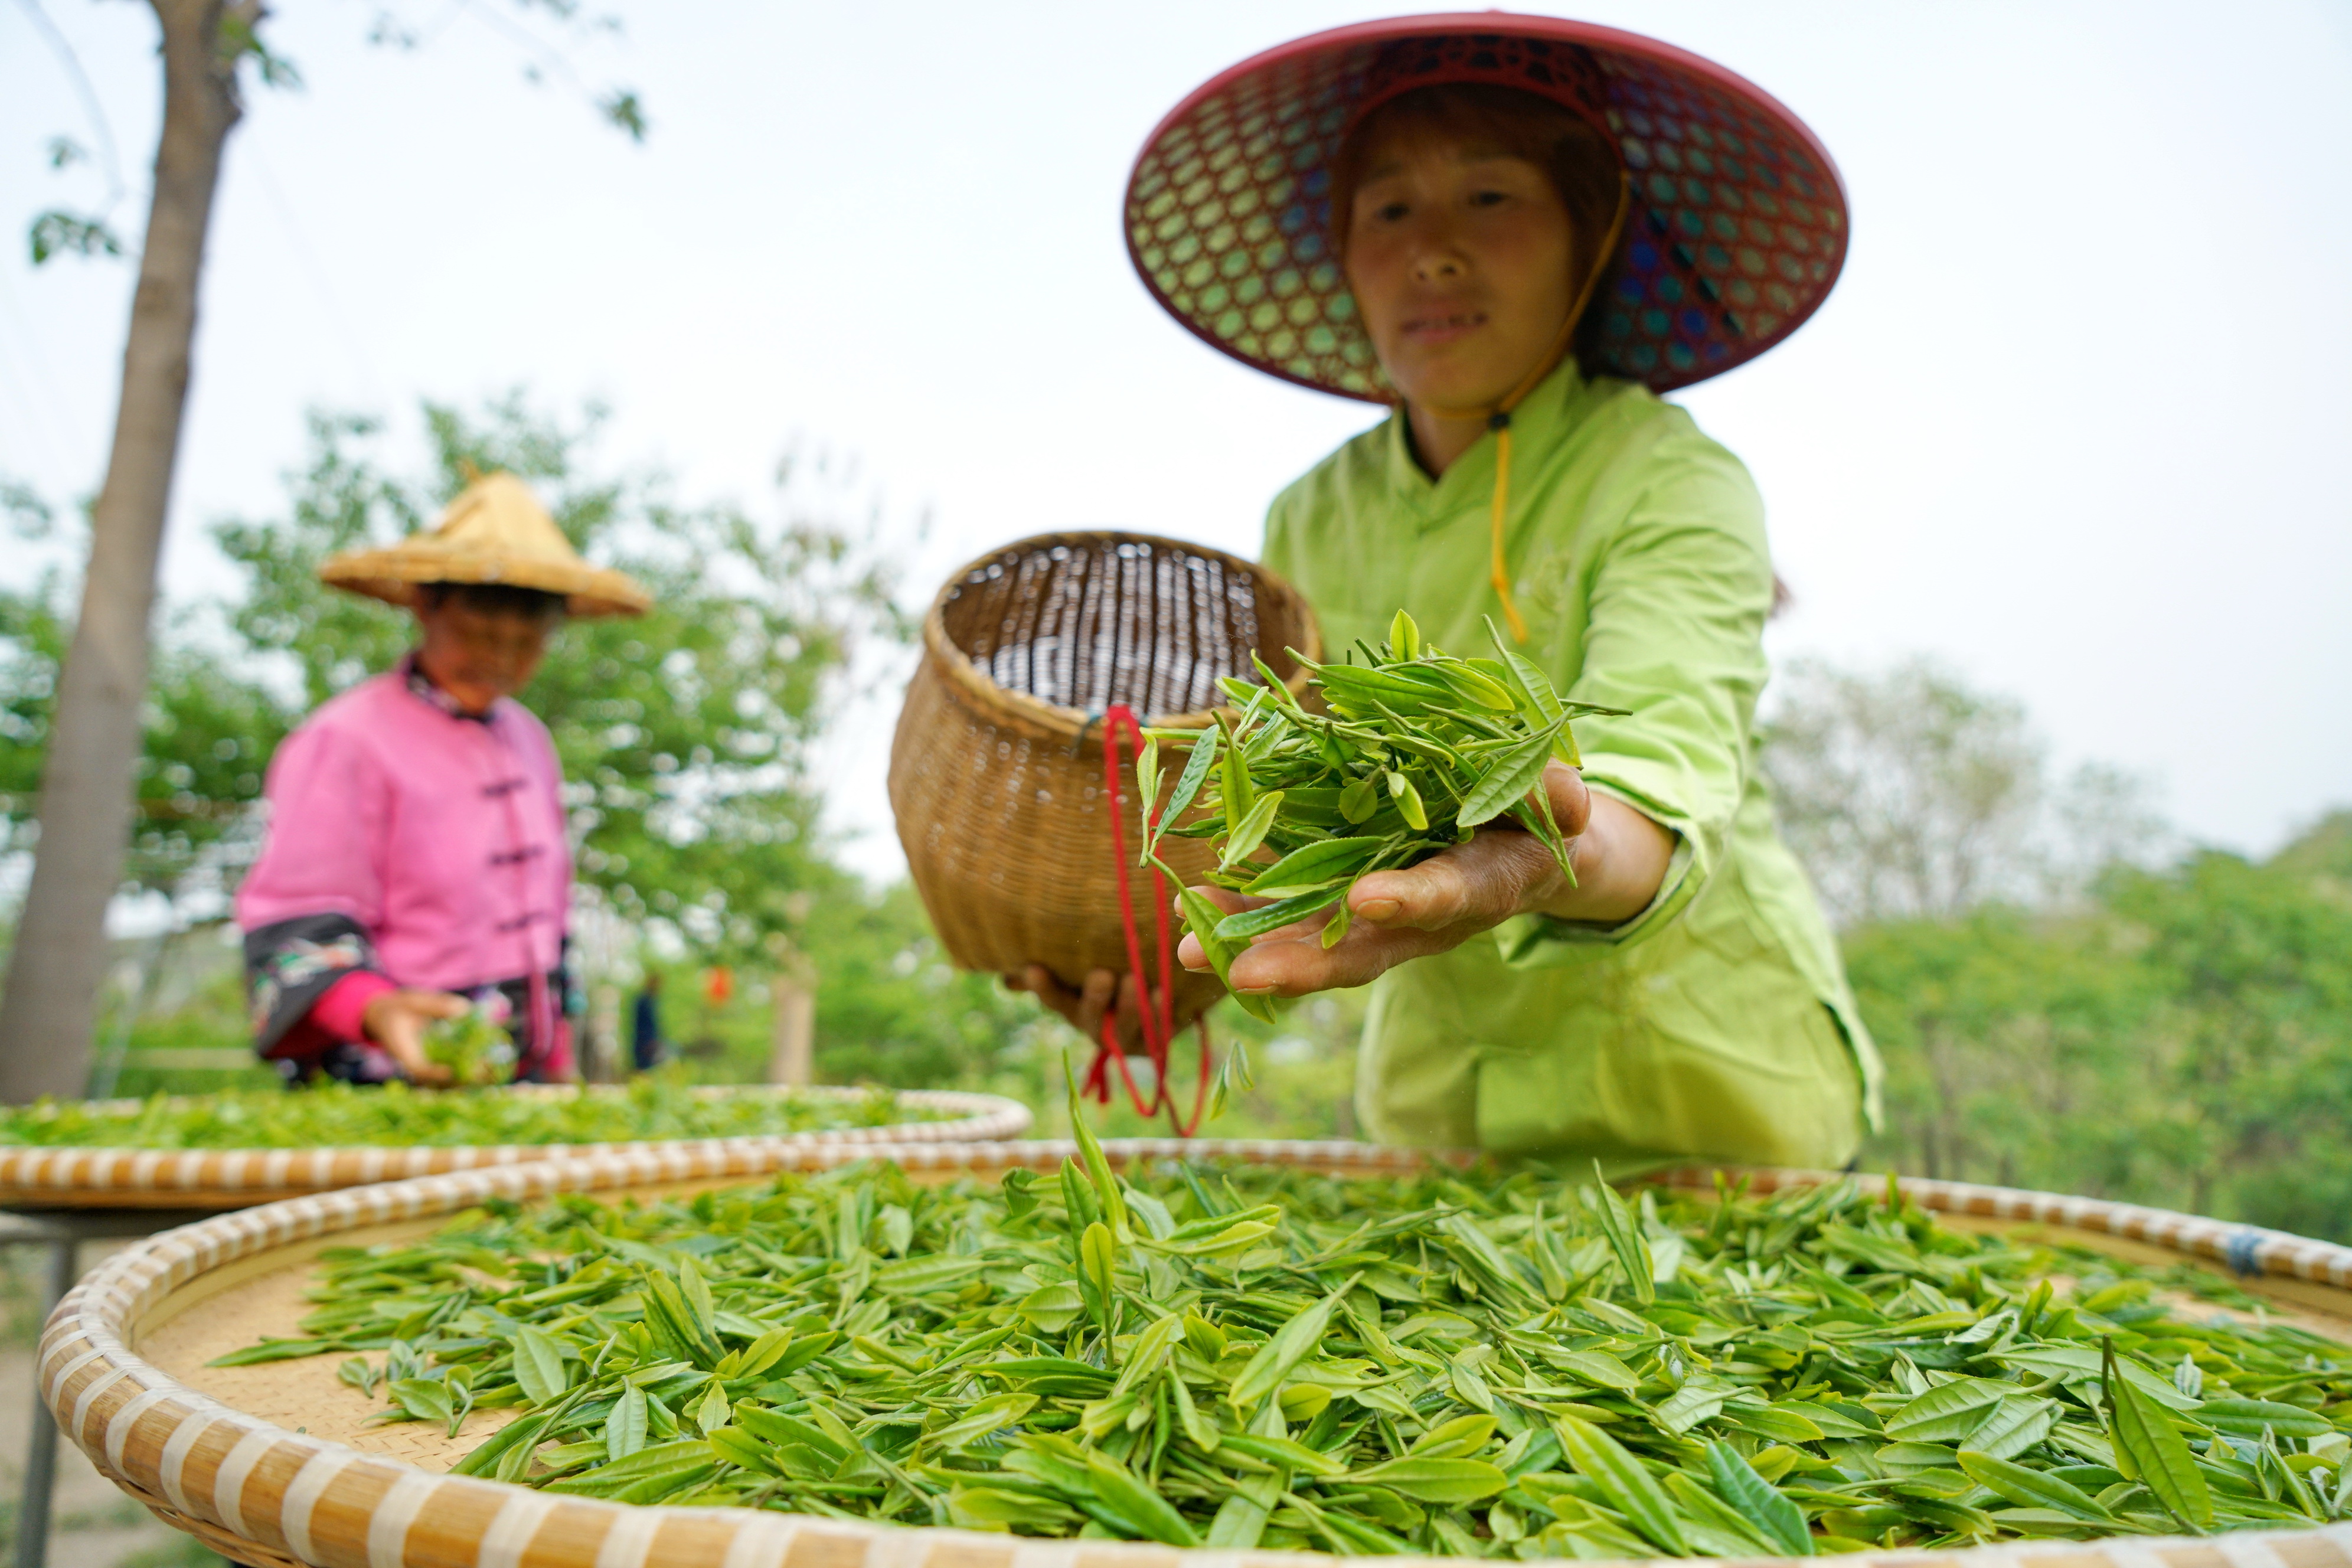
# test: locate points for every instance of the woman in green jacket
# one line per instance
(1517, 237)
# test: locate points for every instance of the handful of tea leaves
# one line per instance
(476, 1050)
(1520, 1366)
(1415, 750)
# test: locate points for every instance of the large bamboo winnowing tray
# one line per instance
(273, 1466)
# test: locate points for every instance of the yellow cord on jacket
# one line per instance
(1498, 417)
(1502, 565)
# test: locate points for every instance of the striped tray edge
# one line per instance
(169, 1178)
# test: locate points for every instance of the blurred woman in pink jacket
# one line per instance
(417, 863)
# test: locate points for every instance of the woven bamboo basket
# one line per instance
(996, 771)
(56, 1178)
(268, 1466)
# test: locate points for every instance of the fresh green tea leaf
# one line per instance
(1757, 1500)
(1448, 1481)
(1509, 778)
(1274, 1361)
(1630, 1488)
(1268, 918)
(1314, 866)
(539, 1366)
(2032, 1488)
(2158, 1454)
(1243, 839)
(1625, 1238)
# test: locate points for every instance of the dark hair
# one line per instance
(1582, 162)
(493, 599)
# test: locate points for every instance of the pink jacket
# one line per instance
(442, 838)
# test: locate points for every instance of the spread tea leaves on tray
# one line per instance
(1506, 1365)
(332, 1114)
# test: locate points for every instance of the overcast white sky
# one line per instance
(2074, 421)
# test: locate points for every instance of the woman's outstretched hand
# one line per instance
(1619, 857)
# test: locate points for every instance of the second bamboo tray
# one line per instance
(239, 1178)
(265, 1494)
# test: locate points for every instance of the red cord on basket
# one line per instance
(1157, 1016)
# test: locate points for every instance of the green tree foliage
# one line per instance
(2184, 1039)
(208, 730)
(210, 733)
(2253, 962)
(891, 1008)
(32, 640)
(2061, 1004)
(1908, 794)
(2000, 1028)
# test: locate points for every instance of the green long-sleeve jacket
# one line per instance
(1718, 1022)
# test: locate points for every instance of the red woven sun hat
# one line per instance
(1734, 234)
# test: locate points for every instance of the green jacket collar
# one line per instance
(1542, 418)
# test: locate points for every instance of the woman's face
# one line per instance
(1459, 257)
(479, 656)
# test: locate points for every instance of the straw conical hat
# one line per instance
(496, 532)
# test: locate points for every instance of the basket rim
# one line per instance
(53, 1175)
(1074, 723)
(202, 1455)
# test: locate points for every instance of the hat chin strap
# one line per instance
(1497, 414)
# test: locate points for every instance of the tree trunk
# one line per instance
(59, 961)
(791, 1059)
(607, 1054)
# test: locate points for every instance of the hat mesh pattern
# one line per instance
(1735, 233)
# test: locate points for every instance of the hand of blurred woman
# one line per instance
(397, 1020)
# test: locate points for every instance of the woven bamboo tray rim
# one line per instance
(264, 1495)
(972, 686)
(78, 1177)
